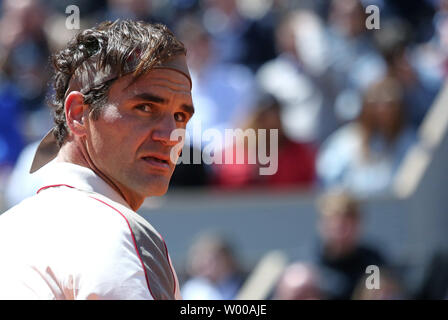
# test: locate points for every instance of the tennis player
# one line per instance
(120, 89)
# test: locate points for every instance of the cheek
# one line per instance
(110, 135)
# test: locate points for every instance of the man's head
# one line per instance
(119, 90)
(383, 109)
(339, 223)
(211, 256)
(112, 49)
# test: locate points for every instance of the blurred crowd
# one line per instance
(346, 100)
(342, 265)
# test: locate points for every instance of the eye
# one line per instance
(146, 107)
(180, 117)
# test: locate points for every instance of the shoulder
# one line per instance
(84, 245)
(67, 219)
(66, 205)
(151, 251)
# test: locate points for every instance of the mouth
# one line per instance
(157, 162)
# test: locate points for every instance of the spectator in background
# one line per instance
(353, 53)
(237, 38)
(418, 95)
(24, 50)
(292, 77)
(299, 281)
(213, 269)
(363, 156)
(352, 56)
(341, 258)
(11, 137)
(222, 92)
(296, 161)
(223, 21)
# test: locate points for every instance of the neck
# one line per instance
(76, 153)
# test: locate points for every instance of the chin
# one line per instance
(158, 192)
(150, 185)
(156, 189)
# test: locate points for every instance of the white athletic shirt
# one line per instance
(78, 239)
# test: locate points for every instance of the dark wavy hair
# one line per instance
(114, 43)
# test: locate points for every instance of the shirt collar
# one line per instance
(79, 177)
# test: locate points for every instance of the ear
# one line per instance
(76, 112)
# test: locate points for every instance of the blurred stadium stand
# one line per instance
(409, 228)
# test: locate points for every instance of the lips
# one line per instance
(157, 161)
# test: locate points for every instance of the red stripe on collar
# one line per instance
(53, 186)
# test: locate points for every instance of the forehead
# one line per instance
(163, 81)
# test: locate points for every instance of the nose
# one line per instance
(162, 132)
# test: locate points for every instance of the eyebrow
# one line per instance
(150, 97)
(188, 109)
